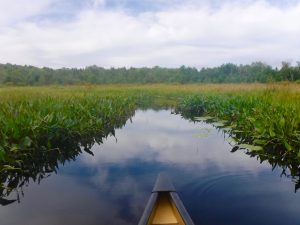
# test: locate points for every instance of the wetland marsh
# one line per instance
(234, 145)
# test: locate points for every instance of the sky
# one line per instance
(147, 33)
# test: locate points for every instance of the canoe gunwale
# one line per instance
(148, 210)
(181, 209)
(163, 185)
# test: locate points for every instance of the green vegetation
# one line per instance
(40, 130)
(258, 119)
(44, 126)
(264, 115)
(227, 73)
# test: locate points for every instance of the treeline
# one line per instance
(226, 73)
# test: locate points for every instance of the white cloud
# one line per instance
(192, 34)
(15, 11)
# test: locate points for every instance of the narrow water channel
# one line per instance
(217, 186)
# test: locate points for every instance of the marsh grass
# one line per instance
(41, 127)
(266, 116)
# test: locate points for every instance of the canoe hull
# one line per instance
(164, 206)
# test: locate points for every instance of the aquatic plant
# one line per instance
(40, 132)
(257, 120)
(41, 127)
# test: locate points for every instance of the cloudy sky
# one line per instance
(169, 33)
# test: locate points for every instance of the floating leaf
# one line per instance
(10, 168)
(203, 118)
(251, 147)
(260, 142)
(231, 139)
(218, 124)
(256, 148)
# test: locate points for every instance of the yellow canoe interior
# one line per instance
(165, 212)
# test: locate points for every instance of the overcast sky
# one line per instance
(168, 33)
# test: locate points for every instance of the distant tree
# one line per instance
(285, 71)
(226, 73)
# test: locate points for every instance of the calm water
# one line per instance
(112, 187)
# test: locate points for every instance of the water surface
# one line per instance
(112, 187)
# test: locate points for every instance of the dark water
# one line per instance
(112, 187)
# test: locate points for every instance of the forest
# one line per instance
(256, 72)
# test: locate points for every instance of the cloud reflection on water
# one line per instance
(164, 138)
(112, 187)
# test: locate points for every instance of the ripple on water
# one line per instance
(211, 183)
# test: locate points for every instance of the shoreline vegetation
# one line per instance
(256, 72)
(42, 127)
